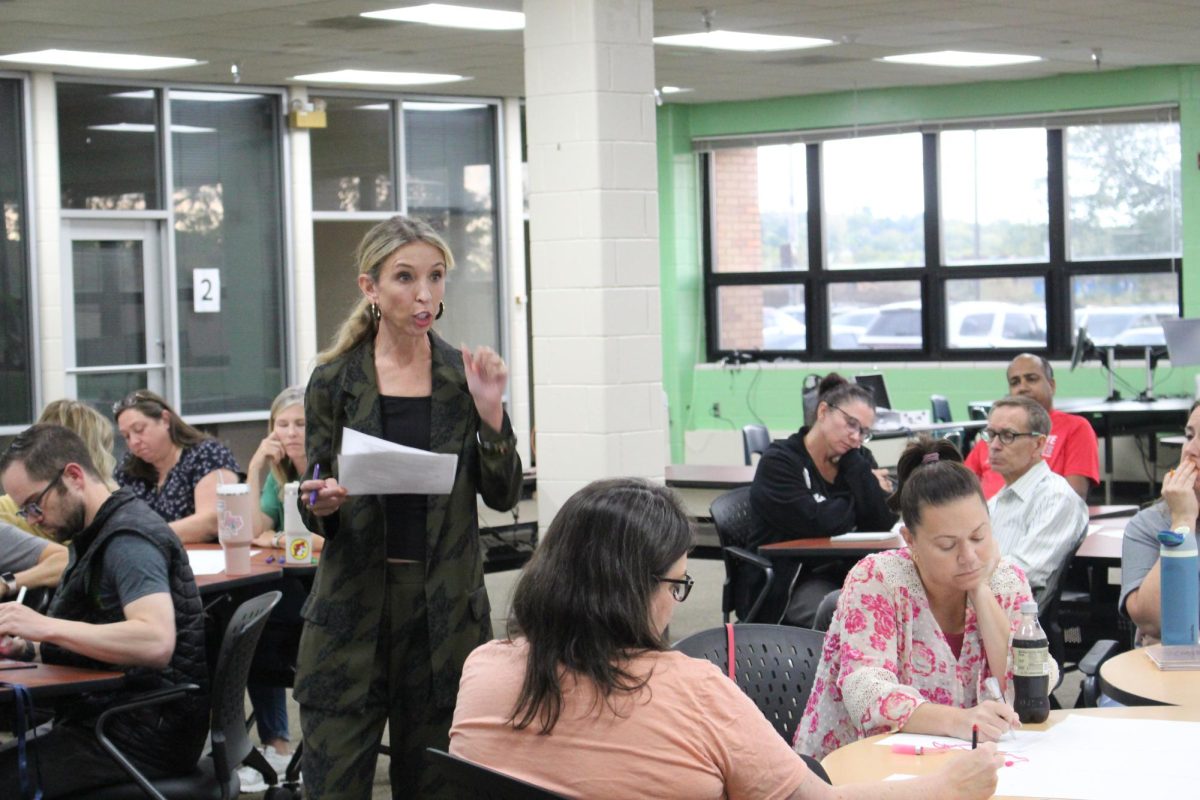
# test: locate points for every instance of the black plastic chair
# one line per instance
(1049, 599)
(940, 412)
(471, 781)
(1089, 667)
(824, 615)
(734, 520)
(775, 665)
(755, 439)
(216, 774)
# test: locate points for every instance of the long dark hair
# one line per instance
(931, 473)
(584, 599)
(152, 405)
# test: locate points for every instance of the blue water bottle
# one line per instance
(1180, 587)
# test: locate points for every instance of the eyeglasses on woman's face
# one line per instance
(680, 587)
(1005, 437)
(856, 427)
(32, 509)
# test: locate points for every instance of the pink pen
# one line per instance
(909, 749)
(312, 496)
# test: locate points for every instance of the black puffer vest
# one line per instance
(168, 736)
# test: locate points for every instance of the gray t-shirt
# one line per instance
(133, 568)
(19, 550)
(1139, 548)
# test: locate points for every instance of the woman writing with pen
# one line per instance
(398, 601)
(919, 631)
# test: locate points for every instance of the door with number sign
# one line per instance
(113, 333)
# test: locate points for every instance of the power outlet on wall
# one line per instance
(716, 410)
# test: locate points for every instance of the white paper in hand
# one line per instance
(368, 465)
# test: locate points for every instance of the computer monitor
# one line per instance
(878, 389)
(1183, 341)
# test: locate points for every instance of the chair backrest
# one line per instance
(755, 439)
(824, 615)
(940, 408)
(979, 411)
(775, 666)
(1049, 597)
(470, 781)
(733, 517)
(230, 739)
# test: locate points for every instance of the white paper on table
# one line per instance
(369, 465)
(863, 536)
(1088, 757)
(899, 776)
(209, 562)
(1115, 533)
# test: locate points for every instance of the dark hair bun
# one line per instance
(830, 381)
(921, 452)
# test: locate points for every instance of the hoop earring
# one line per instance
(374, 312)
(441, 310)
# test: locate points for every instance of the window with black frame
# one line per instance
(957, 243)
(16, 370)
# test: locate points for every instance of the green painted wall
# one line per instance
(771, 394)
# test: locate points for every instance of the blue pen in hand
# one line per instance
(312, 496)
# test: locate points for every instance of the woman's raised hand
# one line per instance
(487, 377)
(270, 451)
(1179, 492)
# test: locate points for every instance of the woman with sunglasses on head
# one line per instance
(399, 600)
(585, 698)
(918, 631)
(820, 481)
(172, 466)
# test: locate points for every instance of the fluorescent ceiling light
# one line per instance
(447, 16)
(374, 107)
(960, 58)
(145, 127)
(184, 94)
(378, 78)
(743, 42)
(421, 106)
(82, 58)
(674, 89)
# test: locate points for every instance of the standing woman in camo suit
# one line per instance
(398, 600)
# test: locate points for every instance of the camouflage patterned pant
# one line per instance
(341, 749)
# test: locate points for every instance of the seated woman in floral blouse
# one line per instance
(917, 631)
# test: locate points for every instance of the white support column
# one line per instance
(48, 234)
(593, 199)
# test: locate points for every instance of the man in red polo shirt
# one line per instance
(1071, 448)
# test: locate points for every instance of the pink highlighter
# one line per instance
(909, 749)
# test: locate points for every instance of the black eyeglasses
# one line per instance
(132, 399)
(33, 508)
(855, 426)
(1007, 437)
(680, 587)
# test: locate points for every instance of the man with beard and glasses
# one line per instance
(127, 601)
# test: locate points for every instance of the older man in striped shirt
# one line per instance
(1037, 517)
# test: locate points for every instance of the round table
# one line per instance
(1132, 679)
(865, 760)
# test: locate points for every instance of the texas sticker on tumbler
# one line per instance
(206, 291)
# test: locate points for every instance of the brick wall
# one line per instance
(738, 245)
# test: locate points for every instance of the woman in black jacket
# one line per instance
(819, 482)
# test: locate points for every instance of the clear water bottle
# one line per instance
(1031, 667)
(1180, 587)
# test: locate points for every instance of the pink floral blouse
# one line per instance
(885, 654)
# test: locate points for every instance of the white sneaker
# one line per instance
(278, 761)
(250, 780)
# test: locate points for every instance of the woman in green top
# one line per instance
(279, 459)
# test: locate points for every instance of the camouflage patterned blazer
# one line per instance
(342, 614)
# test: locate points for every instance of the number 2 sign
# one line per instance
(206, 291)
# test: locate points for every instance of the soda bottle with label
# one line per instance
(1031, 667)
